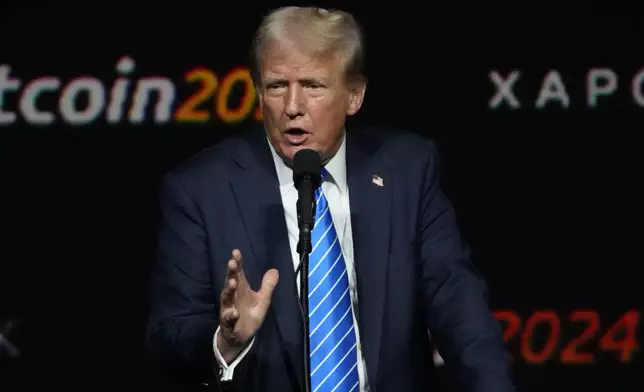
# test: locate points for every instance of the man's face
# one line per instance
(305, 101)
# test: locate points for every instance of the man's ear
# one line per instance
(356, 97)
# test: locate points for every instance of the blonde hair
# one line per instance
(318, 32)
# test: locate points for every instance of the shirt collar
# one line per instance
(337, 168)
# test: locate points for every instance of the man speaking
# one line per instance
(386, 261)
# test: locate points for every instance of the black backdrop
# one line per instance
(548, 197)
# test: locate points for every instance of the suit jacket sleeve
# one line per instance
(459, 318)
(184, 309)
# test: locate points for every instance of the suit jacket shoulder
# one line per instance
(209, 162)
(405, 151)
(204, 173)
(398, 141)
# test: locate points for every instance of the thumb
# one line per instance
(271, 277)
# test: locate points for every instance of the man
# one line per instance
(225, 291)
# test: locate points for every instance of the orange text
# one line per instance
(578, 338)
(211, 88)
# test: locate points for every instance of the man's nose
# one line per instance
(295, 105)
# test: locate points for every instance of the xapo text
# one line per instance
(512, 92)
(152, 99)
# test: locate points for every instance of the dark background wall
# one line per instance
(547, 195)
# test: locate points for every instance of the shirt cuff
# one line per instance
(226, 371)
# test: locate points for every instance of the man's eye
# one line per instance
(274, 85)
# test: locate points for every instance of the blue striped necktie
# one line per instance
(334, 356)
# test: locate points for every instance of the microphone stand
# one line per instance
(304, 249)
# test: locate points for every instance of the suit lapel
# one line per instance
(370, 220)
(256, 190)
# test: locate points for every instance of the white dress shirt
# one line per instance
(336, 190)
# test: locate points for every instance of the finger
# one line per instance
(269, 282)
(231, 269)
(237, 256)
(229, 318)
(230, 286)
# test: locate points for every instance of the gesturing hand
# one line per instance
(242, 310)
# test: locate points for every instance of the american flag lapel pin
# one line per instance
(377, 180)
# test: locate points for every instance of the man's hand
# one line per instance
(242, 310)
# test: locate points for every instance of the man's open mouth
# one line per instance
(295, 132)
(296, 136)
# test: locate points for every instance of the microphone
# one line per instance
(307, 170)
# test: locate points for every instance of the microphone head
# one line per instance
(307, 164)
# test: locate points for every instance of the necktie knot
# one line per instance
(324, 174)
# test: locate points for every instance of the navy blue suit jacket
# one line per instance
(413, 269)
